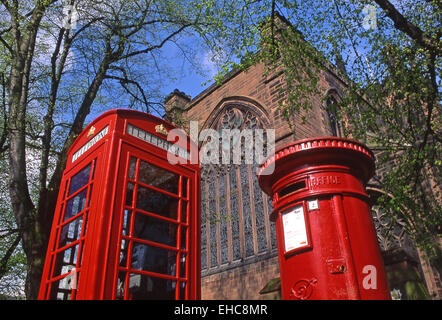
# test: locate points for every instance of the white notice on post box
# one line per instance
(295, 231)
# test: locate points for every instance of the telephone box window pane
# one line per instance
(126, 222)
(75, 205)
(143, 287)
(129, 194)
(123, 252)
(65, 261)
(61, 289)
(132, 165)
(158, 177)
(79, 180)
(183, 238)
(182, 265)
(89, 197)
(94, 167)
(184, 211)
(156, 230)
(84, 229)
(157, 202)
(69, 259)
(71, 231)
(183, 290)
(153, 259)
(120, 284)
(184, 187)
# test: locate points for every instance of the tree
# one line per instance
(390, 58)
(12, 259)
(62, 60)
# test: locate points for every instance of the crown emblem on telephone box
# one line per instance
(161, 129)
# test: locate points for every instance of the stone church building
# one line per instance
(239, 257)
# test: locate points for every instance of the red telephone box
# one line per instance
(326, 238)
(126, 224)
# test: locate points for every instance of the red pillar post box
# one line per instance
(126, 224)
(327, 242)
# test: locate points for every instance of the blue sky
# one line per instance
(191, 79)
(191, 75)
(190, 83)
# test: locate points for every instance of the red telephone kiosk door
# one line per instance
(126, 224)
(153, 229)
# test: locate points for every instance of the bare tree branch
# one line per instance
(151, 48)
(5, 259)
(413, 31)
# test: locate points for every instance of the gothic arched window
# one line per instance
(331, 107)
(235, 222)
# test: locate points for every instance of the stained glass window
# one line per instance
(235, 224)
(332, 110)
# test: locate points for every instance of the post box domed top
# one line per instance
(313, 152)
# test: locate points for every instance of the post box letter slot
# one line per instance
(297, 186)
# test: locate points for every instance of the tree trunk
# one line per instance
(21, 202)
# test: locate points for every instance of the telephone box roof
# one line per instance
(127, 114)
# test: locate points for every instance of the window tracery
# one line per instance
(239, 228)
(331, 108)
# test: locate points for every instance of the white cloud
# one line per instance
(212, 61)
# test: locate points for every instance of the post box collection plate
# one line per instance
(295, 229)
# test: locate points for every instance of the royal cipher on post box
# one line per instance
(326, 238)
(126, 224)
